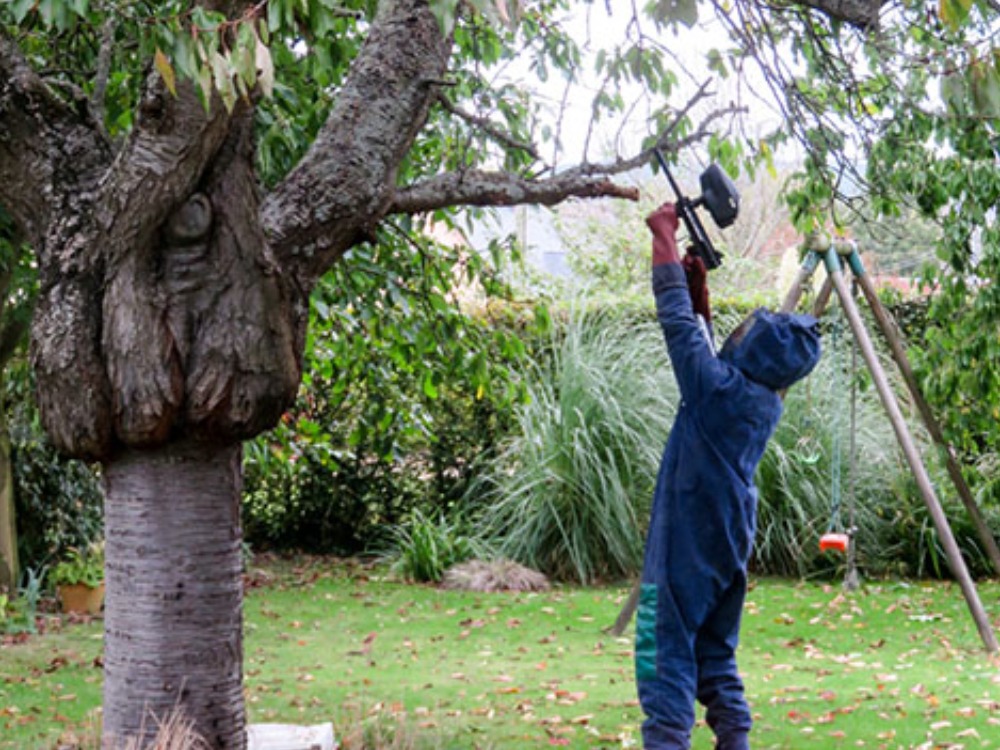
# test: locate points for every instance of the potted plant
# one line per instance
(79, 579)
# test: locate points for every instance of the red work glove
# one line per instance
(697, 279)
(663, 224)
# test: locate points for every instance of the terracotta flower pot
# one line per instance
(81, 598)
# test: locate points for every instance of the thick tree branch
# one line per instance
(345, 183)
(47, 148)
(158, 168)
(501, 189)
(862, 14)
(477, 188)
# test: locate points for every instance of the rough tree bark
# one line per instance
(171, 319)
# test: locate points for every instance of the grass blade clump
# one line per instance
(424, 548)
(568, 494)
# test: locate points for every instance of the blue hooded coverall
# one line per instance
(704, 513)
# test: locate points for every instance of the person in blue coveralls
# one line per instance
(704, 511)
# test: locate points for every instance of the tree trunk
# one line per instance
(8, 534)
(173, 613)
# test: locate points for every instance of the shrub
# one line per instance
(80, 566)
(58, 502)
(394, 410)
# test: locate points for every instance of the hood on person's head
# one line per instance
(774, 349)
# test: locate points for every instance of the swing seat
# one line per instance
(836, 542)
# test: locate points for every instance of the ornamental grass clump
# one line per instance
(568, 494)
(424, 547)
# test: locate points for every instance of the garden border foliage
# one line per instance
(353, 506)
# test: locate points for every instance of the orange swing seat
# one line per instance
(835, 542)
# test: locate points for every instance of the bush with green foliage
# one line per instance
(80, 566)
(403, 391)
(58, 502)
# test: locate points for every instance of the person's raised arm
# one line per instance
(681, 290)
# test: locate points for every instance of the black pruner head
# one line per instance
(719, 196)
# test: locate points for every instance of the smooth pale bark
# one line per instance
(173, 611)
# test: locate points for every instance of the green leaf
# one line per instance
(21, 8)
(675, 11)
(273, 15)
(430, 390)
(953, 92)
(444, 11)
(205, 84)
(222, 77)
(244, 56)
(985, 84)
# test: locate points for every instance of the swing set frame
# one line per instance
(835, 256)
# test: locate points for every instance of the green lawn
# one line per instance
(894, 665)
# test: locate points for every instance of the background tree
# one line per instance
(174, 278)
(16, 298)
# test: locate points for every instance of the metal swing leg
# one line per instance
(833, 264)
(892, 336)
